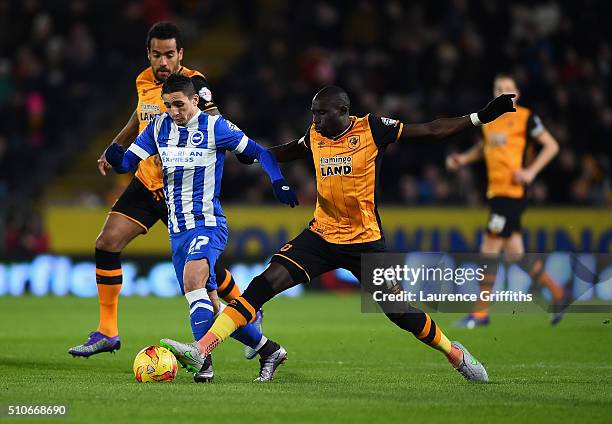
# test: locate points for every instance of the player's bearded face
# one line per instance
(327, 118)
(180, 107)
(165, 59)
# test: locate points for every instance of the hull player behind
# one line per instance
(142, 203)
(504, 148)
(192, 147)
(346, 222)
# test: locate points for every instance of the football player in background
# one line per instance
(504, 148)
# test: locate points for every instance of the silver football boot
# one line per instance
(269, 364)
(470, 368)
(187, 354)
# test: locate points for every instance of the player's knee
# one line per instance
(195, 280)
(491, 244)
(193, 283)
(109, 241)
(285, 274)
(117, 233)
(278, 277)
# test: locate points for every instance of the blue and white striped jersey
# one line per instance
(192, 159)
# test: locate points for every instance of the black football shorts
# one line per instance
(139, 204)
(308, 255)
(505, 215)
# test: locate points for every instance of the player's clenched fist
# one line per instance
(284, 193)
(496, 108)
(103, 165)
(454, 161)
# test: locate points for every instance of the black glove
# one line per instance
(284, 193)
(496, 108)
(202, 89)
(245, 159)
(114, 155)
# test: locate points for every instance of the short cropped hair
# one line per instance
(165, 31)
(504, 75)
(178, 82)
(335, 94)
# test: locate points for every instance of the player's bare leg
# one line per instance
(514, 244)
(514, 250)
(490, 249)
(118, 231)
(535, 268)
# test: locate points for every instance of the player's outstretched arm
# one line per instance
(454, 161)
(229, 137)
(550, 147)
(291, 151)
(126, 135)
(287, 152)
(282, 191)
(445, 127)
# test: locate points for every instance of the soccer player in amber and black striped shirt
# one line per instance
(346, 153)
(505, 150)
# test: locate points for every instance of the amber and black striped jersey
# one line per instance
(505, 148)
(150, 105)
(347, 168)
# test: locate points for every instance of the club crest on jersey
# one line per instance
(337, 165)
(196, 138)
(389, 122)
(497, 139)
(353, 142)
(232, 126)
(205, 94)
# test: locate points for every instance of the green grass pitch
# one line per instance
(343, 367)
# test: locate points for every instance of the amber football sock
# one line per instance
(109, 279)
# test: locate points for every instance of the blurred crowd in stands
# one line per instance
(59, 60)
(421, 60)
(415, 61)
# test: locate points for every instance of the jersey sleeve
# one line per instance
(204, 92)
(535, 127)
(384, 130)
(305, 140)
(144, 145)
(229, 137)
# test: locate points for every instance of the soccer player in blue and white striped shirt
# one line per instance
(192, 146)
